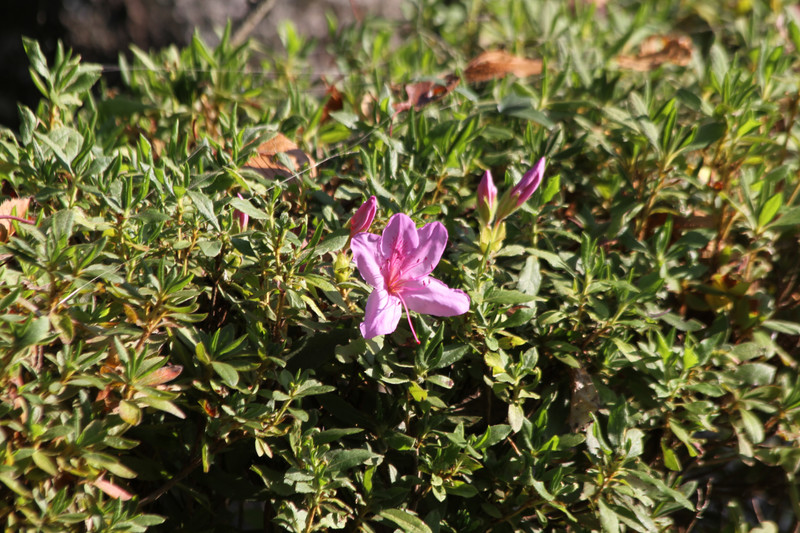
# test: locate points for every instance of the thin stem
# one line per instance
(252, 20)
(408, 316)
(18, 219)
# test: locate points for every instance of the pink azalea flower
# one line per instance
(487, 197)
(519, 194)
(364, 216)
(398, 263)
(529, 183)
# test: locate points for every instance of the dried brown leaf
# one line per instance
(423, 93)
(335, 101)
(266, 161)
(494, 64)
(657, 50)
(17, 207)
(584, 399)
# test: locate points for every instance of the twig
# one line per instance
(251, 21)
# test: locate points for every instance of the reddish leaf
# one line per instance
(162, 375)
(115, 491)
(493, 64)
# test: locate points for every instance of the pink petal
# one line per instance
(367, 255)
(400, 236)
(364, 216)
(422, 261)
(381, 314)
(487, 192)
(432, 297)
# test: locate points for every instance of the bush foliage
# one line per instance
(629, 360)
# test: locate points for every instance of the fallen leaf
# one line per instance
(423, 93)
(657, 50)
(494, 64)
(267, 162)
(17, 207)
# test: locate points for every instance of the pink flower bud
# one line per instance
(364, 216)
(529, 183)
(241, 218)
(487, 198)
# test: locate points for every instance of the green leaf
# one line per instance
(608, 518)
(459, 488)
(44, 462)
(315, 280)
(506, 297)
(107, 462)
(162, 405)
(441, 381)
(340, 460)
(248, 209)
(782, 326)
(228, 374)
(68, 140)
(210, 248)
(707, 134)
(661, 486)
(670, 458)
(205, 207)
(408, 522)
(333, 242)
(418, 393)
(515, 416)
(752, 426)
(62, 223)
(756, 374)
(27, 125)
(770, 209)
(451, 355)
(145, 520)
(130, 413)
(788, 219)
(14, 485)
(333, 435)
(36, 57)
(35, 331)
(522, 107)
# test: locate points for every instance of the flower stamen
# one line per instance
(408, 316)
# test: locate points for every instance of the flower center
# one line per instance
(394, 275)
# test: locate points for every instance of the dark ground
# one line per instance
(99, 30)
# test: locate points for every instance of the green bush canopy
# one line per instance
(519, 265)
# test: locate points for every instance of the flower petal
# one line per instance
(421, 262)
(364, 216)
(432, 297)
(381, 314)
(367, 255)
(400, 236)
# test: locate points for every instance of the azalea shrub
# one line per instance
(520, 265)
